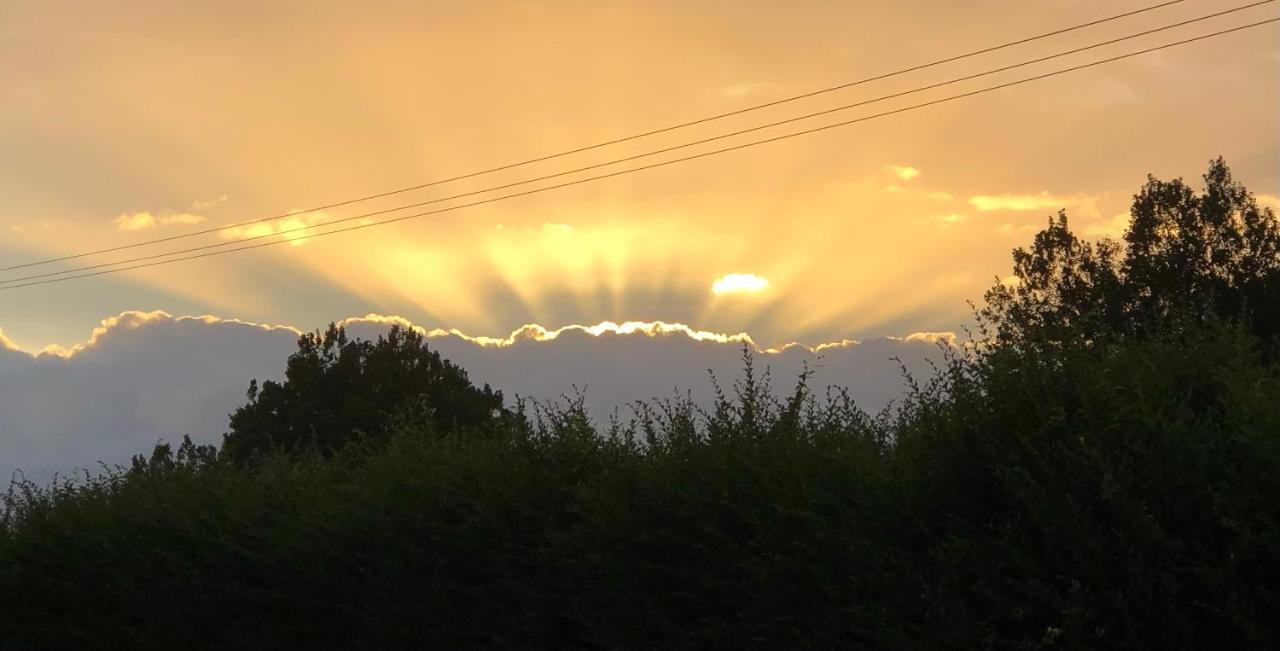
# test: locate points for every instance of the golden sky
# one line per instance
(124, 121)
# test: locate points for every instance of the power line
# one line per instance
(629, 158)
(606, 143)
(615, 161)
(668, 162)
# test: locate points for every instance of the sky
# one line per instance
(136, 120)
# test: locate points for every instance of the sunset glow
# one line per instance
(639, 324)
(880, 228)
(739, 284)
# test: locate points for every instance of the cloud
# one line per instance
(37, 224)
(931, 338)
(144, 376)
(293, 228)
(1113, 228)
(739, 284)
(201, 204)
(903, 172)
(900, 178)
(949, 219)
(738, 91)
(1021, 202)
(181, 218)
(134, 221)
(138, 221)
(138, 378)
(1268, 200)
(6, 343)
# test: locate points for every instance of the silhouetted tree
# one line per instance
(1214, 254)
(337, 389)
(189, 457)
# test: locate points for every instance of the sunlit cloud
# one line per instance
(136, 319)
(295, 228)
(131, 320)
(1268, 201)
(181, 218)
(34, 225)
(134, 221)
(201, 204)
(948, 338)
(904, 172)
(1113, 228)
(535, 332)
(950, 219)
(1021, 202)
(6, 343)
(139, 221)
(739, 284)
(902, 177)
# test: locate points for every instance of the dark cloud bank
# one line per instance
(144, 377)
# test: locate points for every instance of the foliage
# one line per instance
(1215, 254)
(1104, 472)
(337, 389)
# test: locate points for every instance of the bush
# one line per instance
(1118, 498)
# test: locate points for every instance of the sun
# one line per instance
(739, 284)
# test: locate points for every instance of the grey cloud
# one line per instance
(137, 380)
(142, 377)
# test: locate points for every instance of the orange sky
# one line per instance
(133, 120)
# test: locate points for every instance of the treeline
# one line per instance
(1097, 466)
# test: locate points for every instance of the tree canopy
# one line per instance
(1213, 254)
(337, 389)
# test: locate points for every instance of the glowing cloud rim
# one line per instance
(527, 333)
(7, 343)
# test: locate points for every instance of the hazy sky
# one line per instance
(124, 121)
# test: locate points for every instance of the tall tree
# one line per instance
(337, 388)
(1185, 255)
(1217, 251)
